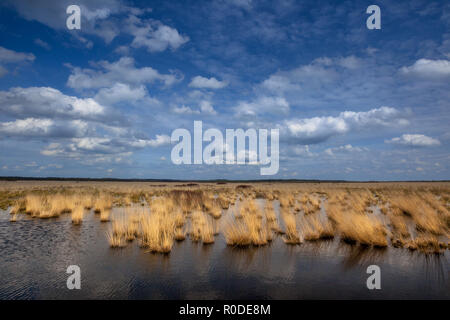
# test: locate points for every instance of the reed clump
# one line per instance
(157, 230)
(291, 233)
(201, 228)
(360, 228)
(115, 240)
(248, 227)
(314, 228)
(77, 215)
(424, 216)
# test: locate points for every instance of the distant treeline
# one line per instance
(200, 181)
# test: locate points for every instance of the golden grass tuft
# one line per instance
(236, 234)
(360, 228)
(201, 228)
(104, 215)
(291, 234)
(179, 234)
(315, 228)
(115, 240)
(157, 231)
(77, 215)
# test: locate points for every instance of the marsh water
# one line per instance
(35, 253)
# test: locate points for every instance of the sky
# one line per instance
(350, 103)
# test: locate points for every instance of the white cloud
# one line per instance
(101, 146)
(319, 129)
(414, 140)
(211, 83)
(303, 151)
(42, 44)
(154, 36)
(348, 148)
(121, 92)
(122, 50)
(41, 128)
(10, 56)
(279, 83)
(48, 102)
(264, 104)
(319, 72)
(122, 71)
(205, 108)
(350, 62)
(428, 68)
(96, 15)
(185, 110)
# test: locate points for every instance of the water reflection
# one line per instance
(356, 255)
(35, 254)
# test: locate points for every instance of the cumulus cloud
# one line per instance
(211, 83)
(43, 128)
(121, 71)
(185, 110)
(104, 19)
(101, 146)
(303, 152)
(121, 92)
(321, 74)
(76, 127)
(262, 105)
(319, 129)
(348, 148)
(428, 68)
(414, 140)
(48, 102)
(205, 108)
(96, 17)
(10, 56)
(322, 69)
(153, 35)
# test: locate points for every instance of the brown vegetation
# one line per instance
(406, 215)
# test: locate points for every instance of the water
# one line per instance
(35, 253)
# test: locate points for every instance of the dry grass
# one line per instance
(411, 215)
(115, 240)
(104, 215)
(355, 227)
(157, 233)
(249, 226)
(201, 228)
(426, 218)
(236, 234)
(179, 234)
(102, 203)
(291, 234)
(77, 215)
(426, 243)
(315, 228)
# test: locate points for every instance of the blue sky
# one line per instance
(350, 103)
